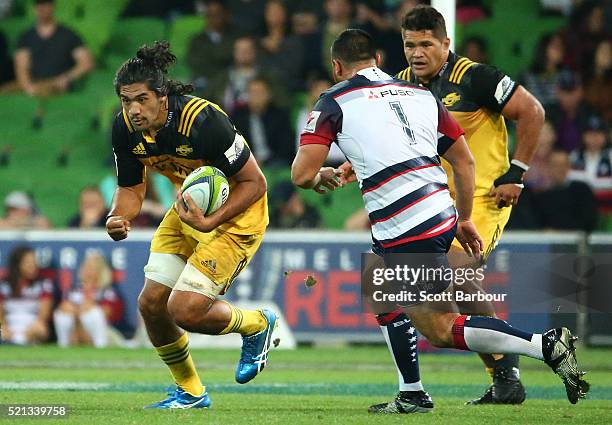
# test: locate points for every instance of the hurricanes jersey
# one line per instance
(197, 132)
(475, 95)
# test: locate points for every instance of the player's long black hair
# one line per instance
(150, 66)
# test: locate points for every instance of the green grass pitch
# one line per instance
(306, 386)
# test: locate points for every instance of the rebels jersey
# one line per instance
(392, 132)
(475, 95)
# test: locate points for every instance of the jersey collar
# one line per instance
(374, 73)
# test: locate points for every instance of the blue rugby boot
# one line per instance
(255, 350)
(181, 399)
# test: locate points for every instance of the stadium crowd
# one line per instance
(265, 63)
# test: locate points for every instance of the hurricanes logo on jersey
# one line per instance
(450, 99)
(139, 150)
(184, 150)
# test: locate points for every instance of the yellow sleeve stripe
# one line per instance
(127, 121)
(194, 115)
(459, 70)
(405, 74)
(463, 71)
(456, 67)
(185, 113)
(217, 107)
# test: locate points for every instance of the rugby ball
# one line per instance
(208, 187)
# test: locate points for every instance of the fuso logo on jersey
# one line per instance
(311, 121)
(389, 92)
(234, 151)
(450, 99)
(503, 89)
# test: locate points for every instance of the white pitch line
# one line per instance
(54, 385)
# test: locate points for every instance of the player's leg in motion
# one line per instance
(219, 257)
(506, 386)
(170, 342)
(490, 221)
(490, 335)
(402, 338)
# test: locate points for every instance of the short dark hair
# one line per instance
(353, 45)
(423, 18)
(150, 66)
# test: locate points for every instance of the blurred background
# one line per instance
(268, 61)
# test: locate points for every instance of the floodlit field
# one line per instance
(307, 386)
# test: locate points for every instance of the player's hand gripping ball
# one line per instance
(208, 188)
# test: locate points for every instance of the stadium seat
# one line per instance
(13, 28)
(130, 33)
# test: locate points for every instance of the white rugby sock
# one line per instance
(491, 335)
(64, 325)
(94, 323)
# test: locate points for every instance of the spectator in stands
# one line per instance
(371, 17)
(476, 49)
(280, 50)
(26, 300)
(289, 211)
(592, 163)
(6, 64)
(571, 112)
(20, 213)
(567, 205)
(584, 31)
(306, 27)
(317, 84)
(248, 15)
(162, 9)
(210, 52)
(92, 211)
(86, 314)
(49, 57)
(598, 81)
(543, 75)
(230, 88)
(339, 14)
(266, 126)
(470, 10)
(537, 178)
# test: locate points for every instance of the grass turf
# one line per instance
(306, 386)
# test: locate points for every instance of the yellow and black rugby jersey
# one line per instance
(197, 132)
(475, 94)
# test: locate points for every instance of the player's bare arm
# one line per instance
(529, 116)
(248, 185)
(461, 160)
(307, 170)
(126, 206)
